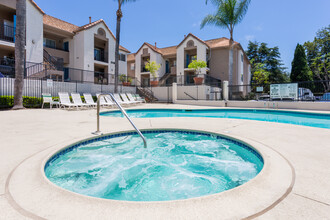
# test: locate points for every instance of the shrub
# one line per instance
(28, 102)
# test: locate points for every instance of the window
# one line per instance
(66, 46)
(145, 50)
(132, 66)
(122, 57)
(242, 58)
(49, 43)
(190, 43)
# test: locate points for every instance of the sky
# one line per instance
(282, 23)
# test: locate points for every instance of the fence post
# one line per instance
(174, 93)
(225, 91)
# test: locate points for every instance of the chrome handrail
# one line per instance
(98, 132)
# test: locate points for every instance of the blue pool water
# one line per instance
(176, 165)
(288, 117)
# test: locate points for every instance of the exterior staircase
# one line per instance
(147, 94)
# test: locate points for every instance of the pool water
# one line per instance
(288, 117)
(176, 165)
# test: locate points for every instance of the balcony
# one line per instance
(99, 55)
(7, 33)
(143, 69)
(60, 53)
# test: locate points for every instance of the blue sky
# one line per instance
(282, 23)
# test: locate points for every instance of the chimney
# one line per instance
(90, 20)
(184, 36)
(155, 44)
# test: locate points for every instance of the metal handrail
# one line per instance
(98, 132)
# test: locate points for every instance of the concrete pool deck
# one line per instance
(299, 170)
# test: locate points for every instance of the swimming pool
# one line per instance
(289, 117)
(178, 164)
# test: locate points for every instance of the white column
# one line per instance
(225, 90)
(174, 93)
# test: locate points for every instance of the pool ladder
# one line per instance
(98, 132)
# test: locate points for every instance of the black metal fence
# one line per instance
(315, 91)
(33, 89)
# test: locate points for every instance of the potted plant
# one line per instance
(197, 65)
(126, 81)
(153, 67)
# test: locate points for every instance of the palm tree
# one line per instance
(119, 16)
(19, 53)
(229, 13)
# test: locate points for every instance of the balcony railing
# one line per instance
(7, 33)
(99, 55)
(143, 69)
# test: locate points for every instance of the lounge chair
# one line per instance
(77, 100)
(132, 99)
(125, 99)
(47, 98)
(103, 101)
(120, 101)
(65, 100)
(139, 98)
(89, 100)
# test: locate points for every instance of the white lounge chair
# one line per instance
(77, 100)
(47, 98)
(139, 98)
(132, 99)
(120, 101)
(65, 100)
(125, 99)
(89, 100)
(103, 101)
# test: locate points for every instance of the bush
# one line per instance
(28, 102)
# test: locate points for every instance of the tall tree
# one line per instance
(318, 56)
(119, 17)
(229, 13)
(269, 57)
(300, 71)
(19, 53)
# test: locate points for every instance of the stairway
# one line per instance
(147, 94)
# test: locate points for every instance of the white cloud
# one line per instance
(258, 27)
(196, 24)
(249, 37)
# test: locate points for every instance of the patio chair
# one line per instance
(139, 98)
(77, 100)
(130, 96)
(65, 100)
(120, 101)
(103, 101)
(89, 99)
(125, 99)
(47, 98)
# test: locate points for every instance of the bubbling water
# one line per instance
(175, 166)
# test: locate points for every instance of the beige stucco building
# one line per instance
(84, 53)
(174, 61)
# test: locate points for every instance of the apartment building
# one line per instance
(175, 60)
(72, 53)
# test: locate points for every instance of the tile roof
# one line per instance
(167, 51)
(219, 42)
(59, 24)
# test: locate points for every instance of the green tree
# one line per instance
(119, 14)
(19, 53)
(318, 57)
(300, 71)
(197, 65)
(260, 53)
(229, 13)
(152, 67)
